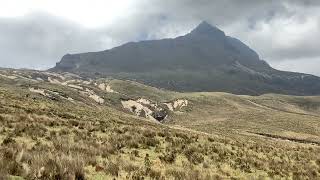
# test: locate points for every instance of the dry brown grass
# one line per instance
(45, 139)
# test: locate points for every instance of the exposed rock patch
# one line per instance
(144, 101)
(169, 106)
(138, 109)
(75, 86)
(154, 111)
(106, 87)
(54, 81)
(91, 94)
(39, 91)
(9, 77)
(50, 94)
(102, 86)
(177, 105)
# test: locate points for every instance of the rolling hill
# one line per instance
(65, 126)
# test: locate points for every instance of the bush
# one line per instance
(194, 175)
(162, 134)
(210, 139)
(14, 168)
(79, 174)
(8, 140)
(193, 156)
(169, 157)
(176, 174)
(149, 142)
(60, 167)
(138, 175)
(113, 169)
(133, 144)
(156, 175)
(2, 118)
(129, 168)
(149, 134)
(74, 123)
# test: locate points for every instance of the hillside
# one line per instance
(203, 60)
(64, 126)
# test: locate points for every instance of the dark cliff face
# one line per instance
(203, 60)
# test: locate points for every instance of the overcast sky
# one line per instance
(37, 33)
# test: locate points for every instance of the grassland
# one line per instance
(215, 137)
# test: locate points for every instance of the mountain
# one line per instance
(203, 60)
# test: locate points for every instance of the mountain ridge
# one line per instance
(203, 60)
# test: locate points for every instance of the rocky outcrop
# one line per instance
(154, 111)
(50, 94)
(106, 87)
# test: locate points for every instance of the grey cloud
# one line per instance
(308, 65)
(40, 40)
(243, 19)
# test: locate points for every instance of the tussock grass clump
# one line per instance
(113, 168)
(7, 141)
(176, 174)
(193, 155)
(168, 157)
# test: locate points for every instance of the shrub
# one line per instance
(147, 164)
(138, 175)
(64, 131)
(113, 169)
(176, 174)
(74, 123)
(128, 167)
(196, 158)
(210, 139)
(58, 167)
(169, 139)
(135, 153)
(205, 165)
(193, 156)
(91, 161)
(149, 134)
(194, 174)
(181, 135)
(149, 142)
(162, 134)
(156, 175)
(8, 140)
(14, 168)
(79, 174)
(133, 144)
(169, 157)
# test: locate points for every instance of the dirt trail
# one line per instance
(303, 141)
(282, 110)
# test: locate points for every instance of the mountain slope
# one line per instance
(209, 112)
(64, 126)
(203, 60)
